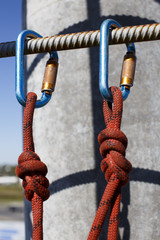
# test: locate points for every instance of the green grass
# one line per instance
(11, 193)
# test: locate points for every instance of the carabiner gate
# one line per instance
(48, 86)
(128, 70)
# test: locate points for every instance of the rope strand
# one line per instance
(32, 170)
(115, 166)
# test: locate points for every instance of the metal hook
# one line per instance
(19, 83)
(104, 61)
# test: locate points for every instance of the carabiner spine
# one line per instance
(19, 83)
(104, 63)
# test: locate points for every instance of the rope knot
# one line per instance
(113, 145)
(113, 142)
(33, 171)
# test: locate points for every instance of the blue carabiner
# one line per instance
(19, 83)
(104, 60)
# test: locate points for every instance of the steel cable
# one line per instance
(83, 40)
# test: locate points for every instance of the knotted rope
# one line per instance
(32, 170)
(115, 166)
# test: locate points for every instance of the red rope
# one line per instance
(32, 170)
(115, 166)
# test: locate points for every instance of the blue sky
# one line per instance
(11, 111)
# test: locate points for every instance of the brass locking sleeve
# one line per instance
(49, 79)
(128, 70)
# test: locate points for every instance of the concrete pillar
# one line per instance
(65, 131)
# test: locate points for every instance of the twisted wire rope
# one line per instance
(83, 40)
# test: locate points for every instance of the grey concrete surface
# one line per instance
(65, 131)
